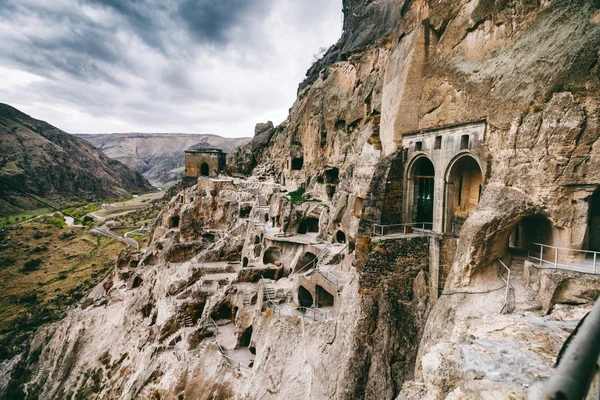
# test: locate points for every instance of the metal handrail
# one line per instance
(404, 229)
(230, 360)
(278, 309)
(556, 264)
(315, 260)
(577, 375)
(507, 281)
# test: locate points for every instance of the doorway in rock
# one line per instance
(306, 262)
(304, 297)
(308, 225)
(594, 225)
(324, 298)
(204, 169)
(423, 175)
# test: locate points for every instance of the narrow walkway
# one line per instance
(110, 234)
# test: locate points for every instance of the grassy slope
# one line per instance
(73, 262)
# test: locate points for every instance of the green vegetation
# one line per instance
(299, 196)
(16, 218)
(79, 210)
(44, 269)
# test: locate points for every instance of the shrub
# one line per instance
(31, 265)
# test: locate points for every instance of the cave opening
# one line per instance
(174, 221)
(272, 255)
(245, 337)
(256, 239)
(257, 250)
(305, 299)
(309, 224)
(340, 237)
(297, 163)
(266, 217)
(224, 312)
(324, 298)
(245, 210)
(245, 262)
(304, 263)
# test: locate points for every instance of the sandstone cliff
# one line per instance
(42, 160)
(524, 70)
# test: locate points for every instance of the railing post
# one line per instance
(556, 258)
(541, 254)
(595, 254)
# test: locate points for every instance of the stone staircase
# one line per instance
(248, 298)
(268, 293)
(262, 202)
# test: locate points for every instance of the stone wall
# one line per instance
(215, 161)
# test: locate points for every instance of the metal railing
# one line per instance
(506, 280)
(577, 375)
(305, 312)
(552, 257)
(232, 361)
(420, 227)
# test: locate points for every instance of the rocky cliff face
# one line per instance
(42, 160)
(321, 179)
(159, 157)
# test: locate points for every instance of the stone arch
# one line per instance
(272, 255)
(463, 187)
(324, 298)
(204, 170)
(305, 299)
(535, 228)
(304, 261)
(421, 185)
(309, 224)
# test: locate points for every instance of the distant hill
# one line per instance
(158, 156)
(40, 159)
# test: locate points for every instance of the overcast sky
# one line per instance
(194, 66)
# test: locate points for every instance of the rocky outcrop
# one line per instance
(44, 161)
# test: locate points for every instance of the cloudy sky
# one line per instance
(194, 66)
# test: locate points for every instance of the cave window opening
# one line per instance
(306, 262)
(309, 225)
(340, 236)
(464, 142)
(174, 221)
(204, 169)
(324, 298)
(418, 146)
(256, 239)
(245, 337)
(305, 299)
(463, 192)
(272, 255)
(594, 224)
(266, 218)
(332, 175)
(245, 262)
(438, 143)
(297, 163)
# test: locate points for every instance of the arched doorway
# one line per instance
(464, 181)
(204, 169)
(272, 255)
(594, 225)
(305, 299)
(422, 176)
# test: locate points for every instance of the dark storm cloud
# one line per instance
(211, 20)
